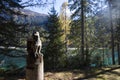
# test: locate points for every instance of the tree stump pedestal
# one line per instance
(35, 63)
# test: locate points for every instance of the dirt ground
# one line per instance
(88, 74)
(84, 74)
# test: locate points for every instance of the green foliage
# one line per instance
(54, 49)
(75, 30)
(97, 31)
(83, 27)
(9, 29)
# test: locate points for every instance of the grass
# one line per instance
(112, 73)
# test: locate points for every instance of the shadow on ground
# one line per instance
(102, 74)
(112, 73)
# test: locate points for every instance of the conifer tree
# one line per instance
(65, 23)
(54, 49)
(9, 29)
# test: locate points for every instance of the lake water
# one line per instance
(7, 62)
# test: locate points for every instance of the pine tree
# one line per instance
(112, 31)
(9, 29)
(81, 29)
(79, 14)
(54, 49)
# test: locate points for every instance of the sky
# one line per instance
(46, 9)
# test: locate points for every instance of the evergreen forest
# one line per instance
(79, 42)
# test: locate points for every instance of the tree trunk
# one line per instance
(112, 34)
(87, 56)
(82, 30)
(34, 69)
(118, 50)
(103, 55)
